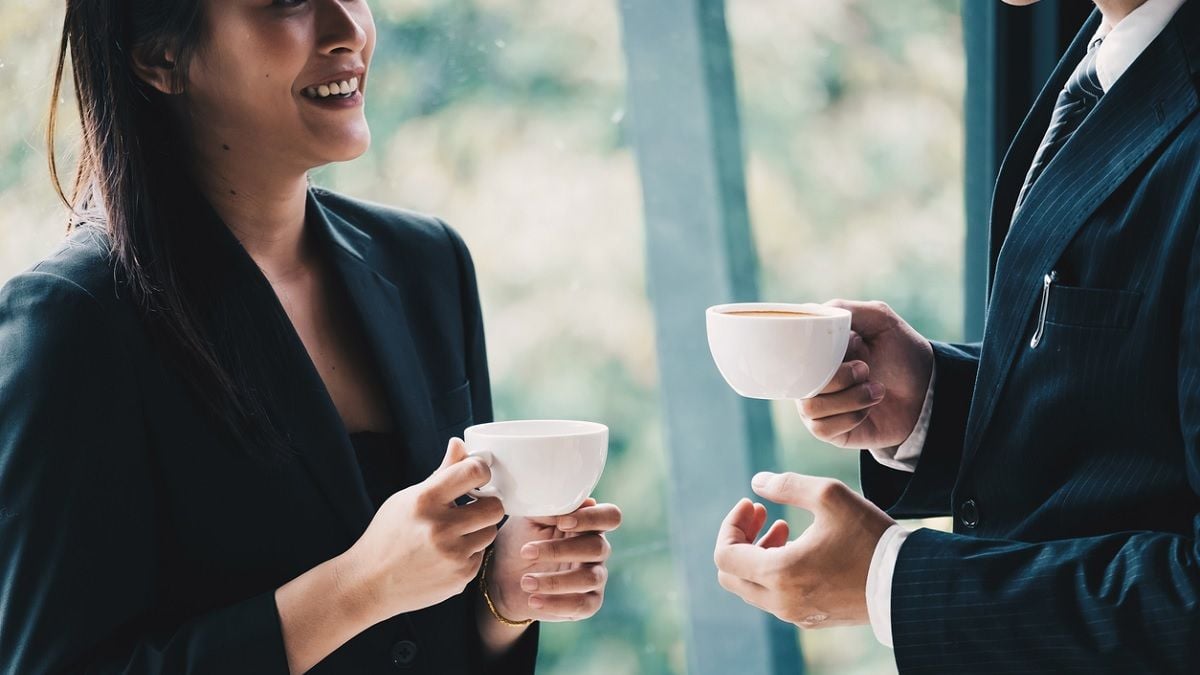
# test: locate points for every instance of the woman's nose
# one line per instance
(342, 26)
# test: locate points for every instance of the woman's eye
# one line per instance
(288, 3)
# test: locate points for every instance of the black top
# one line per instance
(136, 538)
(381, 461)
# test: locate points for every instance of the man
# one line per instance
(1066, 446)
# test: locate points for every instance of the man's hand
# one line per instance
(819, 579)
(875, 398)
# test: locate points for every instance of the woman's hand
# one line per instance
(553, 569)
(421, 549)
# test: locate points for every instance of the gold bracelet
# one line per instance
(487, 559)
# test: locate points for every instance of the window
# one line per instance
(510, 119)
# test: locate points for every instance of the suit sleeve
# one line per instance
(79, 529)
(1125, 602)
(926, 492)
(522, 656)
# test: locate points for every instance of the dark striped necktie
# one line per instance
(1076, 100)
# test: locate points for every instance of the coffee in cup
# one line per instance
(540, 468)
(777, 350)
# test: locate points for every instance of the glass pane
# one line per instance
(853, 130)
(505, 118)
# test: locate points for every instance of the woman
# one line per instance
(210, 388)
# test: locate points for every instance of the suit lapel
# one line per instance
(381, 308)
(1144, 107)
(1025, 144)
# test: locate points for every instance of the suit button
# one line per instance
(968, 514)
(404, 653)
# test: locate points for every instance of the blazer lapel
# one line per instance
(380, 305)
(1144, 107)
(251, 331)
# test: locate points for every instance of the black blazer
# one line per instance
(134, 537)
(1072, 469)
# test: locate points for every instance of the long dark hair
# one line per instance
(131, 178)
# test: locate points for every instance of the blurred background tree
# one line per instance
(506, 118)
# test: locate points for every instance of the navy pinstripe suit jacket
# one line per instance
(1072, 469)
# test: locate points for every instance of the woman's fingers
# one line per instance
(594, 518)
(481, 539)
(584, 579)
(587, 548)
(477, 515)
(569, 607)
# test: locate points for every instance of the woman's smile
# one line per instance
(341, 90)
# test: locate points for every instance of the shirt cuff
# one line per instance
(904, 457)
(879, 582)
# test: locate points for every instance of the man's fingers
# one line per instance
(810, 493)
(856, 349)
(867, 318)
(847, 375)
(756, 525)
(585, 579)
(738, 526)
(586, 548)
(742, 560)
(752, 593)
(836, 428)
(591, 518)
(853, 399)
(776, 536)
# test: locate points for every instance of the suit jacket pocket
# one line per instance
(453, 408)
(1092, 307)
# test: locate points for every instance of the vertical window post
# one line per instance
(684, 123)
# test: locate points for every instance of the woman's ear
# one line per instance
(155, 66)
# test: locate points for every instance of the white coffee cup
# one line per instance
(777, 350)
(539, 467)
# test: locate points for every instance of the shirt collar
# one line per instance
(1126, 41)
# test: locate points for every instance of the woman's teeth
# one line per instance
(343, 88)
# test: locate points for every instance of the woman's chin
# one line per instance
(343, 151)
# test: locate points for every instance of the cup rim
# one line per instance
(811, 308)
(585, 429)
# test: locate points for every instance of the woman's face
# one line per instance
(265, 79)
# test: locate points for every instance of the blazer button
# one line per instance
(404, 653)
(968, 514)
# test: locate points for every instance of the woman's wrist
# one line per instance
(499, 626)
(320, 611)
(354, 593)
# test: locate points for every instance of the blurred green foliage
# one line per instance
(506, 117)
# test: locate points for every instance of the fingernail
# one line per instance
(761, 479)
(529, 552)
(567, 523)
(875, 390)
(536, 602)
(529, 584)
(860, 371)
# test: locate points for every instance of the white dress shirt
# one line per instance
(1122, 45)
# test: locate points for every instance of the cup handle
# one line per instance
(488, 490)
